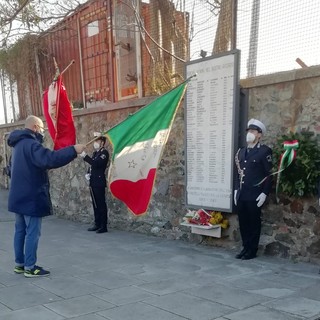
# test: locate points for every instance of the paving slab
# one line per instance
(25, 295)
(128, 276)
(228, 296)
(125, 295)
(139, 311)
(37, 312)
(261, 313)
(67, 286)
(78, 306)
(4, 309)
(297, 306)
(190, 307)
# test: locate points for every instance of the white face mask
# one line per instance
(41, 129)
(250, 137)
(96, 145)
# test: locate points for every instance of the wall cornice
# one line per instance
(280, 77)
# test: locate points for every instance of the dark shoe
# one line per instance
(249, 256)
(102, 230)
(94, 228)
(18, 269)
(36, 272)
(241, 254)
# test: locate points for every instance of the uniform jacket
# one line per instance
(29, 187)
(255, 166)
(98, 162)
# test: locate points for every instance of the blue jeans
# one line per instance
(26, 238)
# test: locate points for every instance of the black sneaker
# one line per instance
(18, 269)
(36, 271)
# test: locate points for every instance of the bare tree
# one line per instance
(223, 38)
(214, 5)
(21, 17)
(225, 33)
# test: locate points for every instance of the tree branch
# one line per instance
(16, 13)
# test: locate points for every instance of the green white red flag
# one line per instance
(286, 159)
(138, 144)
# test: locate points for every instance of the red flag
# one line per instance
(57, 110)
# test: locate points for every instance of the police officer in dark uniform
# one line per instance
(252, 186)
(96, 176)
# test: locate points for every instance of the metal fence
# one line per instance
(270, 34)
(163, 34)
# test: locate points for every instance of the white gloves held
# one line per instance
(82, 154)
(261, 199)
(87, 176)
(235, 197)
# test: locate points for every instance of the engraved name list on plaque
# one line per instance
(210, 104)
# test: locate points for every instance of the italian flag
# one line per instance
(138, 143)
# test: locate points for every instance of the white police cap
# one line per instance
(99, 136)
(256, 125)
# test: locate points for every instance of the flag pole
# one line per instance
(68, 66)
(63, 71)
(194, 75)
(57, 69)
(92, 140)
(104, 133)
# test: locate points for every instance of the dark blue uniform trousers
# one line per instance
(98, 196)
(250, 224)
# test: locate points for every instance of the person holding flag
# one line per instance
(138, 143)
(254, 164)
(29, 196)
(97, 179)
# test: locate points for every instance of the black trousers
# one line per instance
(98, 197)
(250, 224)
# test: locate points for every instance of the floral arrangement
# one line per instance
(300, 178)
(206, 218)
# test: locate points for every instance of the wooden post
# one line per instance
(301, 63)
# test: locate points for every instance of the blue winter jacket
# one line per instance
(29, 187)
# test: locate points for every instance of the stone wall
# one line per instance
(291, 229)
(69, 189)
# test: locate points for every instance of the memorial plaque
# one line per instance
(210, 112)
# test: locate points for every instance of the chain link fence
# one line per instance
(272, 35)
(145, 44)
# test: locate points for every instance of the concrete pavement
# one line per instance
(121, 276)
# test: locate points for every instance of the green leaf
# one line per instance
(301, 177)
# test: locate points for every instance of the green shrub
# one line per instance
(301, 177)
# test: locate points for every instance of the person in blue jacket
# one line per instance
(252, 186)
(29, 196)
